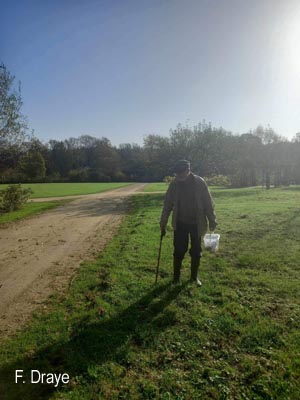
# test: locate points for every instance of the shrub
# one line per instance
(11, 175)
(120, 177)
(13, 197)
(218, 180)
(96, 175)
(54, 177)
(168, 179)
(79, 174)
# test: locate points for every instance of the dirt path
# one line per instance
(39, 255)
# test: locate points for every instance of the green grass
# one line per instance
(156, 187)
(120, 337)
(27, 210)
(67, 189)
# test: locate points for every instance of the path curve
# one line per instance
(40, 254)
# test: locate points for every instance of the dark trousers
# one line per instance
(181, 241)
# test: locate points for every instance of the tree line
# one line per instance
(258, 157)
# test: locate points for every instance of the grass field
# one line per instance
(67, 189)
(27, 210)
(156, 187)
(120, 337)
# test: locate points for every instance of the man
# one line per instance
(189, 199)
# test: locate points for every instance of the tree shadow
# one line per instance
(92, 208)
(92, 344)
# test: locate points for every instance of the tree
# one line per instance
(269, 161)
(13, 125)
(132, 161)
(158, 156)
(296, 138)
(248, 152)
(61, 158)
(32, 165)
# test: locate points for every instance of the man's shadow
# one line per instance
(91, 343)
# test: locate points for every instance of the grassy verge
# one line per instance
(120, 337)
(67, 189)
(27, 210)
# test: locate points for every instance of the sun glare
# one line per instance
(288, 56)
(292, 47)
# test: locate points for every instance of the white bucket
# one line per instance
(211, 241)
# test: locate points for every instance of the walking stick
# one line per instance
(159, 251)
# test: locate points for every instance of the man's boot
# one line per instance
(177, 266)
(195, 262)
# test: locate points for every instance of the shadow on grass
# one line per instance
(92, 344)
(140, 202)
(234, 193)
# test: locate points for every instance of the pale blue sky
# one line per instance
(124, 69)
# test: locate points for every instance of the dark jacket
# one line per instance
(204, 205)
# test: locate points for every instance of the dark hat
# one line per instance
(181, 166)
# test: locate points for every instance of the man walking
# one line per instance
(193, 208)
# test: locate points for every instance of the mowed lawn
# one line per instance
(119, 336)
(68, 189)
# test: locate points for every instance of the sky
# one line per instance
(124, 69)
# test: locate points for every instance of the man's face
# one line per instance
(182, 176)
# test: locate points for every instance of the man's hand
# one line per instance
(212, 225)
